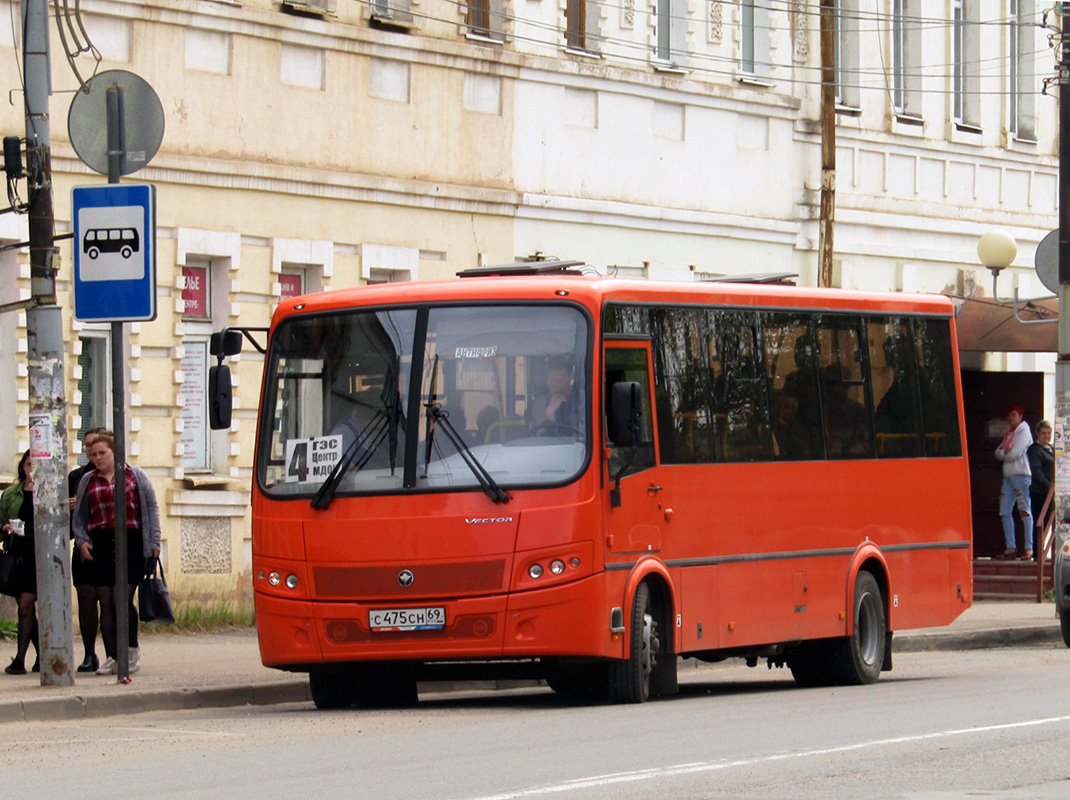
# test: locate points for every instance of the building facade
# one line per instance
(313, 144)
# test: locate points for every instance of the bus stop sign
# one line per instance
(114, 252)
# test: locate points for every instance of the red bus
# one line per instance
(585, 479)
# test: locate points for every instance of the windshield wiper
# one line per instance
(486, 481)
(383, 425)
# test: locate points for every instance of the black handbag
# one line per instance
(9, 571)
(153, 597)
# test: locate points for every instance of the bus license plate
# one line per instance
(407, 619)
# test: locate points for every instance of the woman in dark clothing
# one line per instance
(1042, 464)
(16, 505)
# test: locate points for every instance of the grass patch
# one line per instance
(9, 629)
(207, 616)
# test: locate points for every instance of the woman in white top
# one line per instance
(1016, 480)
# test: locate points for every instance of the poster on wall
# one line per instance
(195, 406)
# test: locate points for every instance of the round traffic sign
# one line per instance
(1046, 261)
(140, 115)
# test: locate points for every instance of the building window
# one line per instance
(671, 31)
(386, 264)
(392, 13)
(11, 339)
(581, 25)
(965, 61)
(196, 297)
(197, 308)
(754, 37)
(195, 450)
(93, 390)
(906, 58)
(291, 283)
(846, 54)
(484, 18)
(1022, 96)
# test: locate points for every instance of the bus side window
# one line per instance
(741, 394)
(939, 401)
(845, 396)
(629, 364)
(791, 361)
(894, 368)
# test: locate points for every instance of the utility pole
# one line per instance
(828, 141)
(48, 403)
(1062, 364)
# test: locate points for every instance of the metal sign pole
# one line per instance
(118, 393)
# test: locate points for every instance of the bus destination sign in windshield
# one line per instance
(311, 460)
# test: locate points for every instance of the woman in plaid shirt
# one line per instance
(94, 533)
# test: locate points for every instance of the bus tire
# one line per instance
(1064, 624)
(857, 659)
(332, 688)
(811, 665)
(577, 679)
(386, 686)
(630, 679)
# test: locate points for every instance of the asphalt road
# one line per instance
(942, 726)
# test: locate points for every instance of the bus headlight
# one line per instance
(557, 566)
(535, 571)
(291, 581)
(274, 578)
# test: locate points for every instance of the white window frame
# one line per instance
(1022, 95)
(965, 65)
(847, 70)
(670, 23)
(906, 59)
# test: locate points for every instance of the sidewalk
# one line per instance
(223, 669)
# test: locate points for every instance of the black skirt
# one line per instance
(101, 570)
(26, 572)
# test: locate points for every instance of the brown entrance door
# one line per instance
(986, 396)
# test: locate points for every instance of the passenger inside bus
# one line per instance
(800, 385)
(896, 418)
(791, 438)
(846, 421)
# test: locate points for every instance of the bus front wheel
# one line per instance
(650, 665)
(858, 658)
(1064, 624)
(332, 688)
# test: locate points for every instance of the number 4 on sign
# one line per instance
(297, 463)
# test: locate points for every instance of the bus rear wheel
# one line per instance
(857, 659)
(332, 688)
(810, 664)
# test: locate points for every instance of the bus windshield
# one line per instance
(502, 392)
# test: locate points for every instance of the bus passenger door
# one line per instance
(635, 525)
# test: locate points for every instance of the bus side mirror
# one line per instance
(625, 409)
(226, 342)
(220, 397)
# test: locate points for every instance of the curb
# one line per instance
(298, 691)
(85, 707)
(977, 640)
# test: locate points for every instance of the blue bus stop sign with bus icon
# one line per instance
(114, 252)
